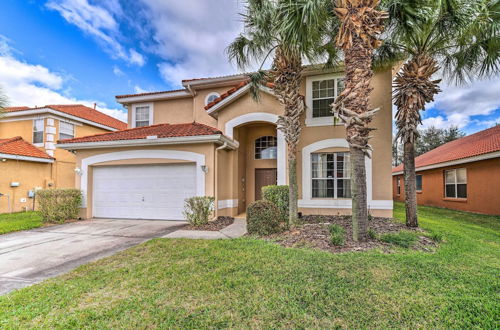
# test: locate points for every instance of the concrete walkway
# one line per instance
(237, 229)
(28, 257)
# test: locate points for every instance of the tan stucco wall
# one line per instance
(207, 149)
(29, 175)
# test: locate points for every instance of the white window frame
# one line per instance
(67, 122)
(209, 95)
(38, 144)
(138, 105)
(456, 183)
(334, 178)
(319, 121)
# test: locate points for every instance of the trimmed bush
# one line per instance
(404, 239)
(198, 210)
(59, 205)
(279, 196)
(263, 218)
(337, 233)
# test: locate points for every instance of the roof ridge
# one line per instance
(12, 139)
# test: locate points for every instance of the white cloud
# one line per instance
(140, 90)
(191, 36)
(459, 103)
(32, 85)
(99, 23)
(117, 71)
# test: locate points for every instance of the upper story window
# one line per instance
(419, 182)
(266, 147)
(331, 175)
(456, 183)
(142, 115)
(398, 185)
(211, 97)
(66, 130)
(38, 131)
(321, 92)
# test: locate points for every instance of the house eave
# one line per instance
(26, 158)
(490, 155)
(216, 138)
(233, 97)
(153, 97)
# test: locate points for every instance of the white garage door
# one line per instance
(143, 191)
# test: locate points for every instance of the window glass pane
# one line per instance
(321, 108)
(461, 190)
(38, 130)
(266, 147)
(141, 116)
(419, 182)
(323, 188)
(343, 188)
(450, 176)
(340, 86)
(37, 137)
(66, 130)
(450, 191)
(461, 175)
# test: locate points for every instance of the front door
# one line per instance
(264, 177)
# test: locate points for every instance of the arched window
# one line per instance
(211, 97)
(266, 147)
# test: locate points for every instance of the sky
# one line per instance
(89, 51)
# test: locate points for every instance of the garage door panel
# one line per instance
(143, 191)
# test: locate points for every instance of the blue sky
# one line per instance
(86, 51)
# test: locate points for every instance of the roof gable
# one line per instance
(16, 146)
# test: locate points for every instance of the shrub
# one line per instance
(263, 218)
(436, 237)
(197, 210)
(371, 233)
(278, 195)
(59, 205)
(404, 239)
(337, 233)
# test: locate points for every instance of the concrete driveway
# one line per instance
(31, 256)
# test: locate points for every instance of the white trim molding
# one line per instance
(342, 203)
(152, 97)
(26, 158)
(227, 204)
(319, 121)
(151, 112)
(199, 159)
(490, 155)
(268, 118)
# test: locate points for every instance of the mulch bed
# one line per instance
(216, 225)
(313, 233)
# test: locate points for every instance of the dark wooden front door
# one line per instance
(264, 177)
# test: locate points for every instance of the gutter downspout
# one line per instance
(193, 94)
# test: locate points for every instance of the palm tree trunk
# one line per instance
(410, 185)
(359, 199)
(293, 189)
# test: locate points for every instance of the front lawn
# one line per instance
(252, 283)
(10, 222)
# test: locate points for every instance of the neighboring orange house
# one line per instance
(463, 174)
(212, 139)
(28, 156)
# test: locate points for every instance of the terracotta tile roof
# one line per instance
(230, 92)
(480, 143)
(18, 147)
(160, 131)
(218, 77)
(150, 93)
(81, 111)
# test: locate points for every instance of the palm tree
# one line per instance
(459, 38)
(3, 102)
(289, 30)
(361, 23)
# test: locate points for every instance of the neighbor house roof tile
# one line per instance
(480, 143)
(18, 147)
(81, 111)
(160, 131)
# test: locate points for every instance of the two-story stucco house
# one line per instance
(211, 138)
(28, 155)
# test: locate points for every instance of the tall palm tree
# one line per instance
(3, 102)
(457, 38)
(290, 31)
(361, 24)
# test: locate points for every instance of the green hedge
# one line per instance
(279, 196)
(59, 205)
(263, 218)
(197, 210)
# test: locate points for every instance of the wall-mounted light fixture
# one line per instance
(204, 168)
(4, 160)
(78, 171)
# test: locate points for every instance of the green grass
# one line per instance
(403, 239)
(10, 222)
(251, 283)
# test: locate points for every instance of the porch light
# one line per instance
(204, 168)
(79, 171)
